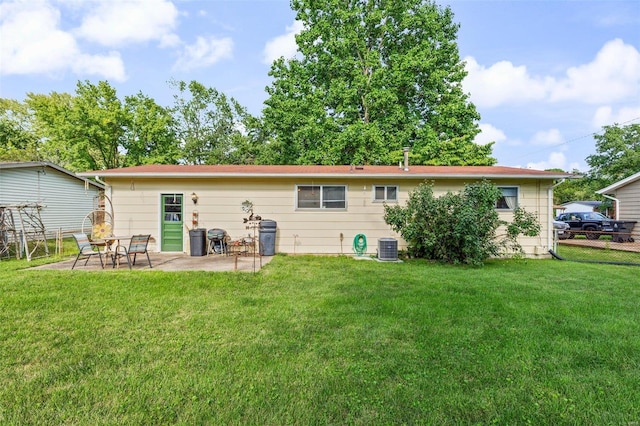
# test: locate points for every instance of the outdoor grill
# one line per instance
(217, 243)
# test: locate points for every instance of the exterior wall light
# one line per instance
(194, 198)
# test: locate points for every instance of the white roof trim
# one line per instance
(323, 175)
(619, 184)
(31, 164)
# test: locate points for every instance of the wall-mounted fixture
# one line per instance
(194, 198)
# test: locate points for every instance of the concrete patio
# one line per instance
(170, 262)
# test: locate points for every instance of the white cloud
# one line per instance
(503, 83)
(548, 138)
(556, 160)
(118, 23)
(283, 45)
(205, 52)
(33, 43)
(169, 40)
(489, 133)
(605, 116)
(613, 75)
(110, 66)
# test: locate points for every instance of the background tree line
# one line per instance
(94, 129)
(370, 77)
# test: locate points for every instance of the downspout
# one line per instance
(550, 230)
(616, 204)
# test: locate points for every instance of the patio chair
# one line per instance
(86, 250)
(138, 245)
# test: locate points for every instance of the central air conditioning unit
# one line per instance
(387, 249)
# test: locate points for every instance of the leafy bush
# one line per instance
(458, 228)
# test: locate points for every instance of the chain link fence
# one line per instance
(599, 247)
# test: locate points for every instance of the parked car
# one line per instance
(561, 229)
(590, 224)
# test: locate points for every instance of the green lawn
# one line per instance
(317, 340)
(605, 254)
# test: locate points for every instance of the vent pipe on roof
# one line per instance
(406, 158)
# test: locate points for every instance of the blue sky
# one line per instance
(544, 75)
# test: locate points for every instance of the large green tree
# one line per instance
(18, 140)
(372, 76)
(617, 154)
(94, 129)
(150, 137)
(85, 131)
(211, 127)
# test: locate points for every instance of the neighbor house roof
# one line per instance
(421, 172)
(584, 203)
(45, 164)
(619, 184)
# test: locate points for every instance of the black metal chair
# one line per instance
(86, 250)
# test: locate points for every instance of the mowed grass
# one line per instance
(320, 340)
(606, 254)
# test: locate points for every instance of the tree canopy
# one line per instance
(18, 141)
(211, 127)
(371, 77)
(94, 129)
(617, 153)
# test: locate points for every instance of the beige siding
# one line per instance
(137, 210)
(629, 205)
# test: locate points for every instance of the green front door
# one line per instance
(172, 220)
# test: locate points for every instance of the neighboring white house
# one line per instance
(626, 196)
(580, 206)
(318, 209)
(65, 198)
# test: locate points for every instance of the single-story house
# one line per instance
(580, 206)
(626, 197)
(317, 209)
(65, 199)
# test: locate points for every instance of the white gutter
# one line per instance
(616, 204)
(191, 175)
(550, 230)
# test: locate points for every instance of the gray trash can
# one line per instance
(268, 237)
(198, 241)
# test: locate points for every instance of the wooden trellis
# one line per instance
(8, 233)
(30, 238)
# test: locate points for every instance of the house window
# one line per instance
(509, 198)
(321, 197)
(385, 193)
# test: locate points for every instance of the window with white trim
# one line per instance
(385, 193)
(321, 197)
(509, 198)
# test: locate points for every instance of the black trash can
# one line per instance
(268, 237)
(198, 241)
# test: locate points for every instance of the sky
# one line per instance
(544, 75)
